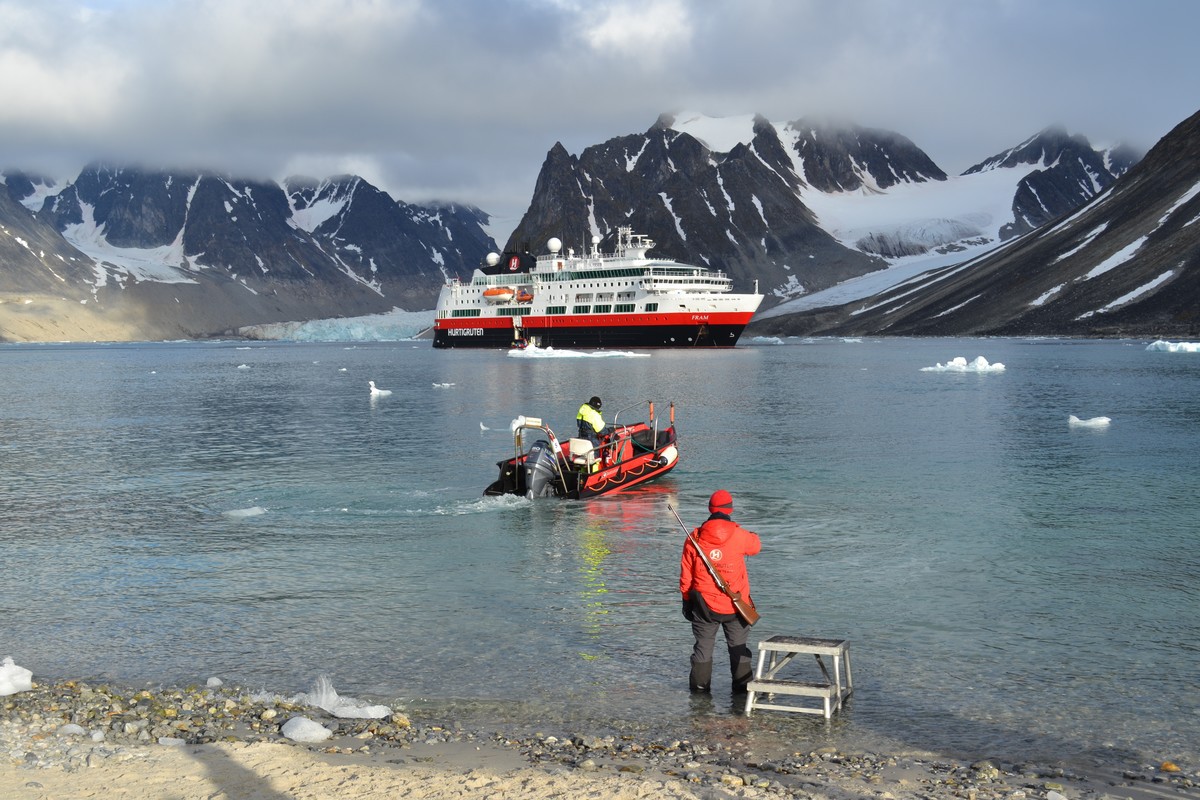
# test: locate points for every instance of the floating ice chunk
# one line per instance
(483, 427)
(516, 423)
(960, 364)
(241, 513)
(1174, 347)
(243, 366)
(442, 385)
(303, 729)
(14, 679)
(377, 392)
(1094, 422)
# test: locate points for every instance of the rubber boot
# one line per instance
(701, 678)
(741, 668)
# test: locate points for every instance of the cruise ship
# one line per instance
(592, 300)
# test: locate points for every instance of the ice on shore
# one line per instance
(324, 696)
(1094, 422)
(960, 364)
(14, 679)
(1174, 347)
(303, 729)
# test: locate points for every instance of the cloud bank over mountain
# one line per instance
(460, 101)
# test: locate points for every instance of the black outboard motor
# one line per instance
(541, 471)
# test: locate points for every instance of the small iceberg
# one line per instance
(377, 392)
(1094, 422)
(242, 513)
(960, 364)
(1174, 347)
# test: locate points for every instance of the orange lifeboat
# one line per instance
(524, 296)
(498, 294)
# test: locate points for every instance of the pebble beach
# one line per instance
(78, 739)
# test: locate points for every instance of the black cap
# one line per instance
(594, 403)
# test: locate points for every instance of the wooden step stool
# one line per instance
(777, 652)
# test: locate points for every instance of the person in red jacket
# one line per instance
(708, 608)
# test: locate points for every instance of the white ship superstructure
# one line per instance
(622, 299)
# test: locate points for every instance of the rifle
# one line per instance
(744, 608)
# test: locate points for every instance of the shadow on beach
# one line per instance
(233, 779)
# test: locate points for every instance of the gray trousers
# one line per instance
(740, 658)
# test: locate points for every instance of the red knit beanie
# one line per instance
(721, 500)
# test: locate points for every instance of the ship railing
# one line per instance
(680, 285)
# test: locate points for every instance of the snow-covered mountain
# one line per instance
(1126, 263)
(167, 254)
(804, 205)
(812, 212)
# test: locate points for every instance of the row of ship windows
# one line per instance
(520, 311)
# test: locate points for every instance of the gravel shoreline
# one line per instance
(75, 725)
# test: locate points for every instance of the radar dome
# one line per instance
(554, 244)
(493, 259)
(595, 240)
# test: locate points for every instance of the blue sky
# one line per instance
(462, 99)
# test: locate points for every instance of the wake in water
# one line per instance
(533, 351)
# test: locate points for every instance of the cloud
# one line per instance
(646, 32)
(462, 99)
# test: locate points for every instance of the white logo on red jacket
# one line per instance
(714, 554)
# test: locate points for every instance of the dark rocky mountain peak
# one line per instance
(1125, 264)
(185, 253)
(841, 157)
(1071, 172)
(24, 185)
(739, 211)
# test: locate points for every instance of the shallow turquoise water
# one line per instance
(1009, 585)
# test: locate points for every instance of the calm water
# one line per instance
(1011, 586)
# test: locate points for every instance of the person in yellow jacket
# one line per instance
(590, 421)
